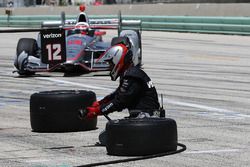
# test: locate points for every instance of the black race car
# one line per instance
(74, 45)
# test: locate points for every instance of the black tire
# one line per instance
(138, 33)
(118, 40)
(140, 46)
(57, 111)
(134, 137)
(28, 45)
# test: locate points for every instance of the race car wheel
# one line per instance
(135, 36)
(28, 45)
(133, 137)
(140, 46)
(57, 111)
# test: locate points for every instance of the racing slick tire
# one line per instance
(29, 46)
(135, 36)
(57, 111)
(147, 136)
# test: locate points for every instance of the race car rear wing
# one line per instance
(94, 23)
(118, 23)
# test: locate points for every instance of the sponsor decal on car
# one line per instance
(51, 35)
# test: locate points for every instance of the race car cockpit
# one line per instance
(82, 25)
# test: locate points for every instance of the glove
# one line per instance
(90, 112)
(93, 112)
(95, 104)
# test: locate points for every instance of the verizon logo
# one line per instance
(52, 35)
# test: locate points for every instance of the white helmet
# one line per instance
(119, 57)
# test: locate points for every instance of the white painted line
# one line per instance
(198, 106)
(73, 83)
(212, 151)
(229, 113)
(36, 160)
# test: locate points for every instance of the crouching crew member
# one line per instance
(135, 92)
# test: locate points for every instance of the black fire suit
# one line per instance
(136, 92)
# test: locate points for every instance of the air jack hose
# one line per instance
(183, 148)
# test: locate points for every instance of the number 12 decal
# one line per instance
(53, 46)
(54, 51)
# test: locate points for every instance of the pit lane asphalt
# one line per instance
(205, 80)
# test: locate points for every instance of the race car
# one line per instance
(71, 46)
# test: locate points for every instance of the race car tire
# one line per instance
(131, 33)
(58, 111)
(137, 137)
(28, 45)
(140, 46)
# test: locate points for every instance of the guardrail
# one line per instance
(199, 24)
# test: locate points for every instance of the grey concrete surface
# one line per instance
(172, 9)
(205, 81)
